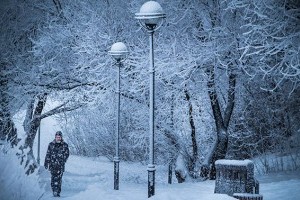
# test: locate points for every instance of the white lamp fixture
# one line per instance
(118, 51)
(151, 16)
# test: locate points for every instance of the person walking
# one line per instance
(55, 160)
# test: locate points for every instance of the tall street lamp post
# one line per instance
(151, 17)
(119, 52)
(39, 144)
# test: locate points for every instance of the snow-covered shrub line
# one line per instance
(273, 163)
(14, 184)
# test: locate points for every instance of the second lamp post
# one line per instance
(151, 17)
(119, 52)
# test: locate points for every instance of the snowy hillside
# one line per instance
(89, 179)
(92, 178)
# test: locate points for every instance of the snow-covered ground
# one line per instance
(89, 179)
(92, 178)
(283, 185)
(14, 184)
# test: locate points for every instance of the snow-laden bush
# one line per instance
(268, 163)
(14, 184)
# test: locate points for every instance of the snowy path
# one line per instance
(72, 184)
(79, 175)
(90, 179)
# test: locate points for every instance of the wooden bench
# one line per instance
(235, 176)
(247, 196)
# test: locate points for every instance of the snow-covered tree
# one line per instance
(271, 40)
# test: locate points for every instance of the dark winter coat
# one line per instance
(57, 155)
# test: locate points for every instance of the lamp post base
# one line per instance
(151, 180)
(116, 173)
(170, 174)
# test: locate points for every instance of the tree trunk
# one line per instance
(31, 123)
(194, 157)
(219, 149)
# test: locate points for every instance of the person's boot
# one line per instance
(55, 194)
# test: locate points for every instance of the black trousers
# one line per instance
(56, 176)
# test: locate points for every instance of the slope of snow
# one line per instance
(283, 185)
(14, 184)
(92, 178)
(89, 178)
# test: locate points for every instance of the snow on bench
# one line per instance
(247, 196)
(235, 176)
(234, 163)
